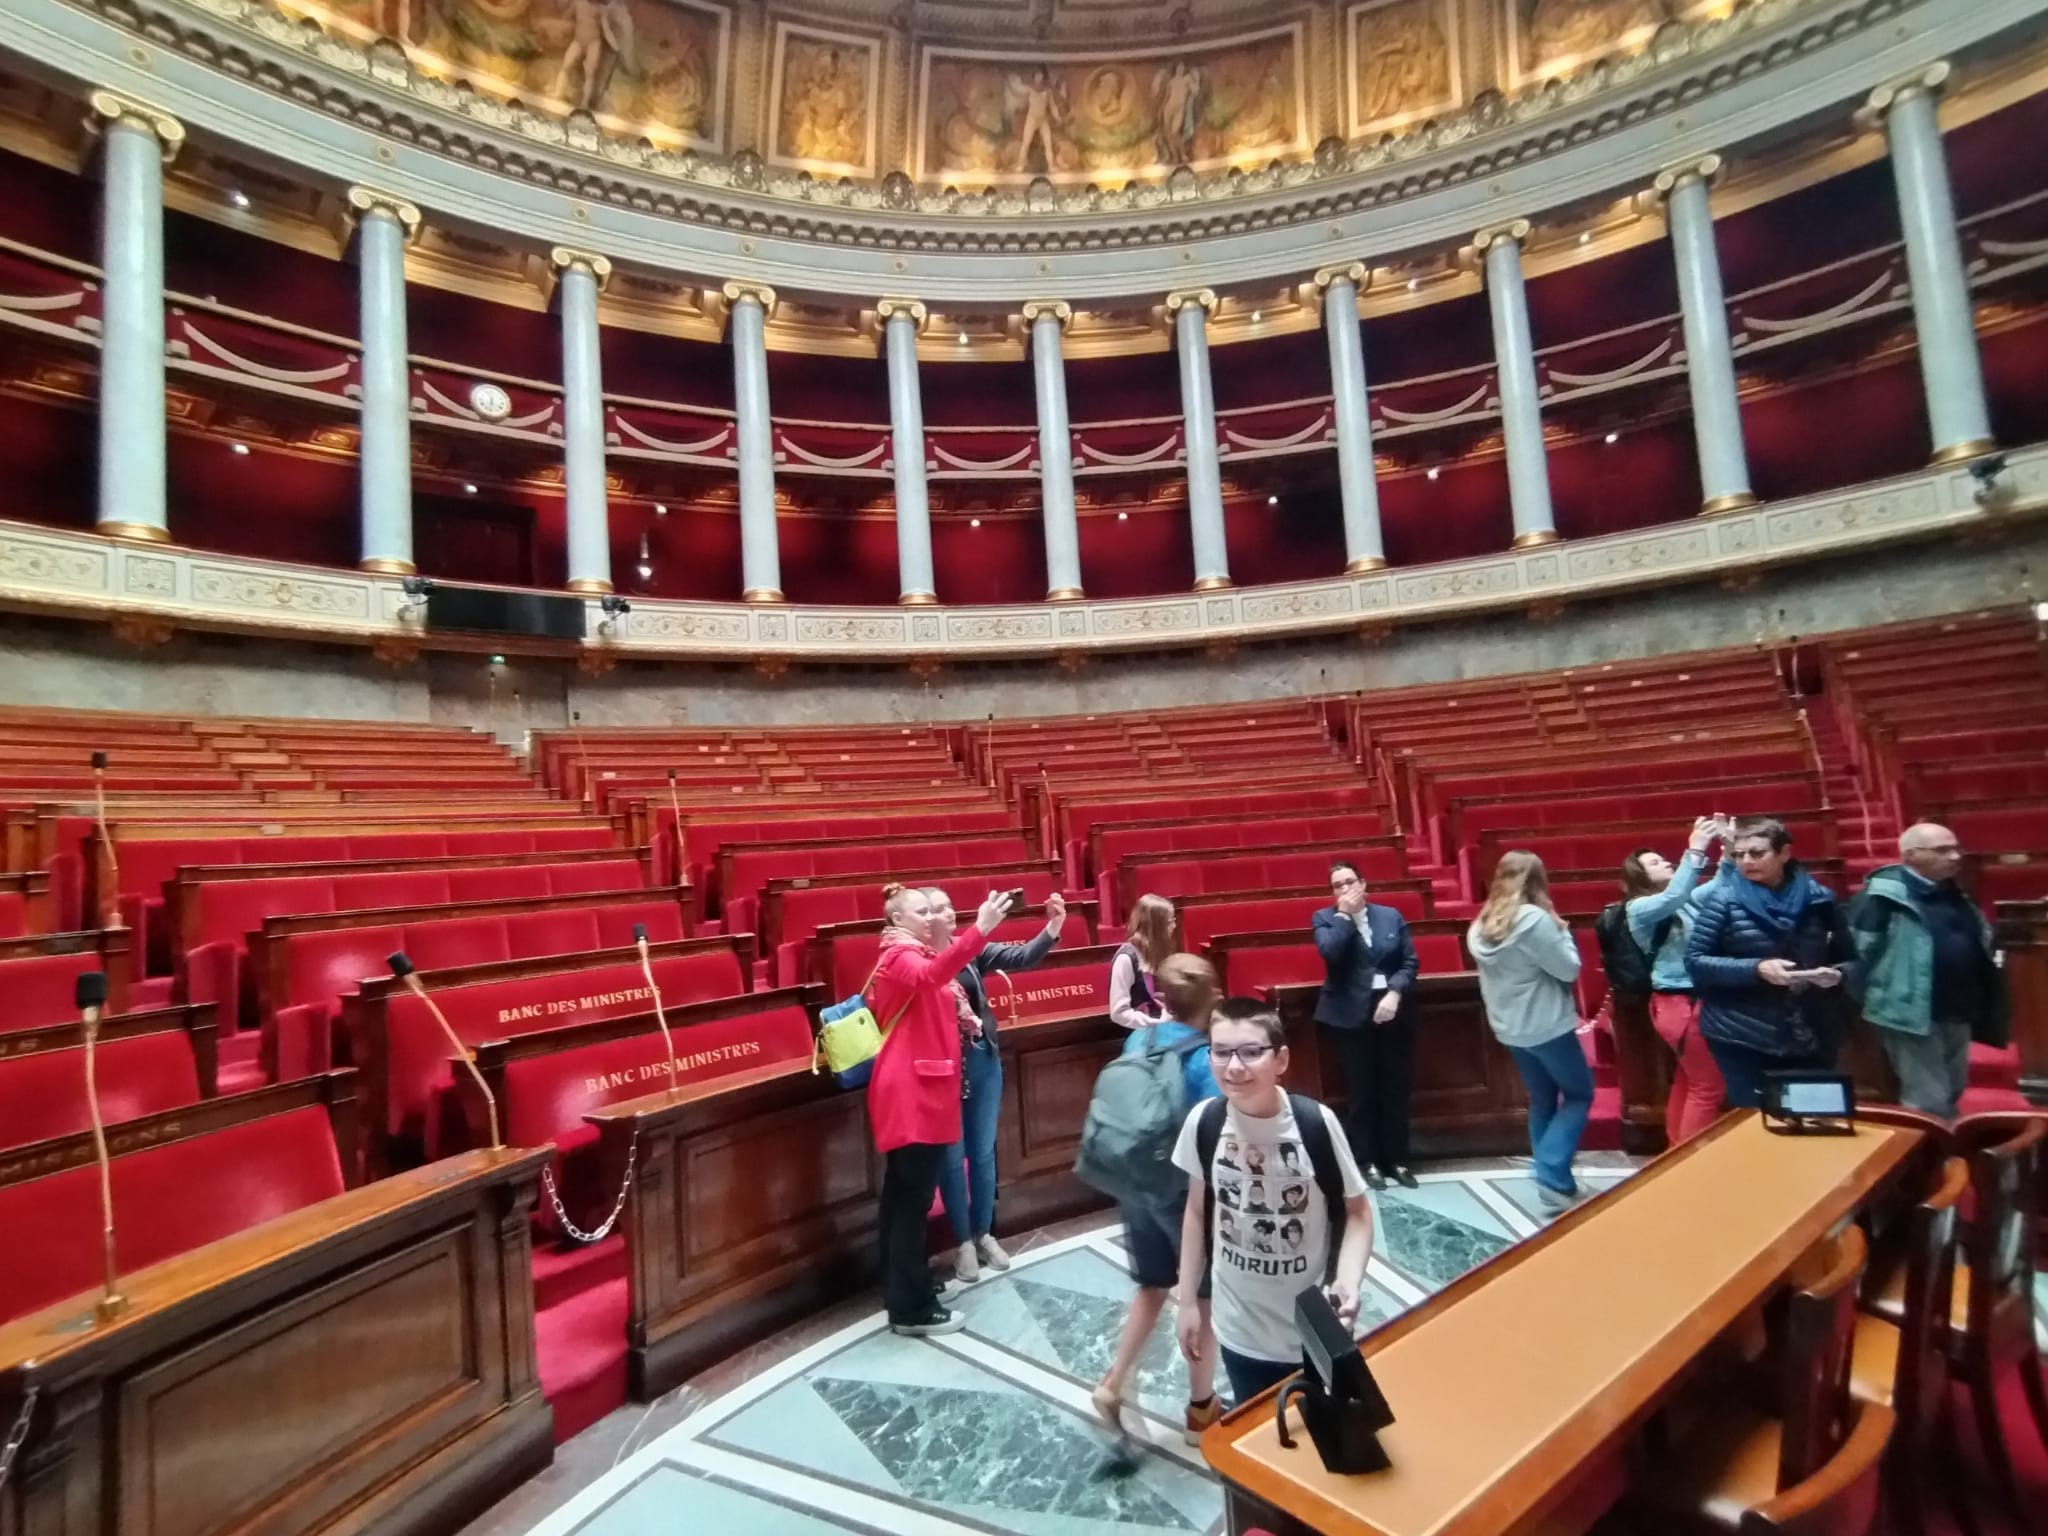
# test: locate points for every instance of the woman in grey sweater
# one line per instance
(1527, 966)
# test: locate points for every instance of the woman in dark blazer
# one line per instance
(1369, 963)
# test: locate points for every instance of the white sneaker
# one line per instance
(991, 1252)
(1556, 1202)
(966, 1266)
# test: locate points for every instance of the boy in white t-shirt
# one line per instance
(1271, 1236)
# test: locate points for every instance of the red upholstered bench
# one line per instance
(842, 955)
(546, 1080)
(705, 831)
(392, 1035)
(1111, 842)
(791, 911)
(1203, 918)
(145, 1062)
(1252, 870)
(1250, 963)
(39, 975)
(181, 1178)
(744, 868)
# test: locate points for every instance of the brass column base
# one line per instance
(1365, 563)
(1065, 595)
(384, 565)
(1735, 501)
(1212, 583)
(592, 585)
(763, 595)
(1954, 453)
(1536, 538)
(140, 533)
(918, 600)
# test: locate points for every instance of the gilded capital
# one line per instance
(110, 107)
(737, 292)
(1927, 81)
(565, 260)
(1352, 272)
(1200, 298)
(888, 309)
(1059, 310)
(364, 202)
(1517, 230)
(1706, 168)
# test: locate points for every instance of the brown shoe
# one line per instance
(1199, 1419)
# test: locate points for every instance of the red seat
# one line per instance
(13, 914)
(440, 946)
(41, 989)
(43, 1094)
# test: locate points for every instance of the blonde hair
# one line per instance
(894, 897)
(1518, 880)
(1150, 930)
(1189, 987)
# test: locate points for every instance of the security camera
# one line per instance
(1989, 473)
(416, 589)
(615, 606)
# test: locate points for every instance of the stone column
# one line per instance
(902, 321)
(1943, 317)
(1048, 321)
(1189, 310)
(384, 226)
(579, 277)
(138, 140)
(1357, 476)
(760, 553)
(1521, 411)
(1709, 358)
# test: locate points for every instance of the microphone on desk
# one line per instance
(676, 810)
(402, 967)
(91, 997)
(588, 790)
(111, 879)
(668, 1042)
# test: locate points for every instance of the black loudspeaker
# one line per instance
(1340, 1401)
(498, 611)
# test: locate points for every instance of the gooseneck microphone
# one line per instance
(582, 756)
(668, 1042)
(110, 899)
(675, 810)
(91, 997)
(402, 967)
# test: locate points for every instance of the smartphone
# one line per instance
(1015, 899)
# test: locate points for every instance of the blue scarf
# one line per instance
(1777, 911)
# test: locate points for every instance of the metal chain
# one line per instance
(547, 1182)
(17, 1435)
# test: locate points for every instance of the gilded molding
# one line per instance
(563, 259)
(737, 291)
(362, 202)
(104, 108)
(140, 533)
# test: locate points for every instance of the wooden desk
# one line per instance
(1516, 1385)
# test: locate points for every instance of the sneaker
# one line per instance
(965, 1265)
(991, 1252)
(938, 1320)
(1555, 1202)
(1199, 1419)
(1405, 1179)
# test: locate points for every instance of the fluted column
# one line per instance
(1709, 358)
(1950, 370)
(580, 275)
(1048, 321)
(133, 495)
(1189, 310)
(1521, 411)
(384, 226)
(1358, 478)
(760, 553)
(902, 320)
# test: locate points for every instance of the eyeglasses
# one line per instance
(1250, 1055)
(1745, 855)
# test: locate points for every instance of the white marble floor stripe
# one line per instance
(1396, 1284)
(1518, 1221)
(829, 1495)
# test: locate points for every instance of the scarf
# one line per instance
(1777, 912)
(970, 1021)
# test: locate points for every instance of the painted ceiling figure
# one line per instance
(1176, 95)
(1563, 29)
(601, 35)
(1041, 106)
(1406, 63)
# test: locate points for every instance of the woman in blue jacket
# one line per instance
(1767, 951)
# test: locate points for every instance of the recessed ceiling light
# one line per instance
(1123, 517)
(242, 448)
(1433, 472)
(962, 338)
(1614, 437)
(469, 487)
(239, 198)
(1414, 283)
(974, 522)
(661, 509)
(1258, 315)
(1585, 237)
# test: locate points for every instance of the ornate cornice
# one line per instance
(51, 571)
(379, 91)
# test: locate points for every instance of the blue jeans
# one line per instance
(1743, 1069)
(1560, 1100)
(967, 1178)
(1249, 1377)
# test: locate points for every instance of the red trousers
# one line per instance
(1696, 1086)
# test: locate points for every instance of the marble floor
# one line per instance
(840, 1425)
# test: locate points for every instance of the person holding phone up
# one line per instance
(1768, 950)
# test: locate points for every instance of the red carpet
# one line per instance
(579, 1296)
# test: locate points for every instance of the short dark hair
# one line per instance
(1249, 1010)
(1768, 827)
(1337, 864)
(1635, 880)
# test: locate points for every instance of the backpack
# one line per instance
(1621, 957)
(1134, 1119)
(1322, 1162)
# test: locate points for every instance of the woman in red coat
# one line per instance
(914, 1092)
